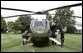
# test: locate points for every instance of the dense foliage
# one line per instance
(3, 26)
(22, 23)
(71, 29)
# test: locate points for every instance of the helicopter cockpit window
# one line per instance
(39, 26)
(39, 23)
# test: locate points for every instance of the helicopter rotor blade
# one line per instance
(22, 10)
(40, 14)
(21, 15)
(35, 13)
(73, 5)
(17, 10)
(67, 15)
(17, 15)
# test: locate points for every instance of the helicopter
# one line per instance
(42, 26)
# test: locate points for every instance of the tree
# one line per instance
(10, 26)
(63, 18)
(17, 27)
(3, 25)
(23, 23)
(71, 29)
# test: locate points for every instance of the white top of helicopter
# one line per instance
(39, 17)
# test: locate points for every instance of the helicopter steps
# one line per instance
(52, 39)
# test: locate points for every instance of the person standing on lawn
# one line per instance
(62, 37)
(53, 35)
(25, 37)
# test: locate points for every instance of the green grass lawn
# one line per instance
(13, 43)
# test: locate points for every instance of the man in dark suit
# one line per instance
(62, 37)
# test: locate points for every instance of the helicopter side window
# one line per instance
(45, 23)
